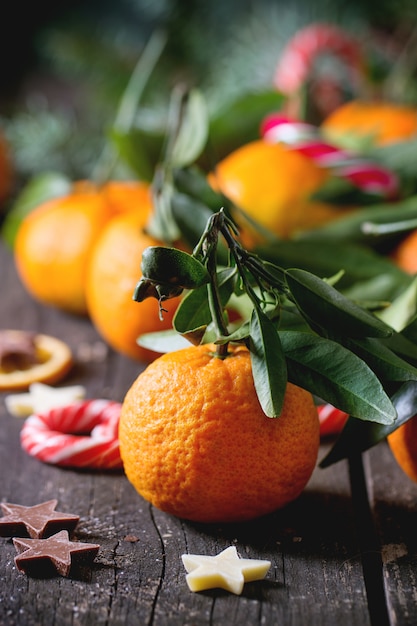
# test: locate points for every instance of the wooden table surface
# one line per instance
(345, 553)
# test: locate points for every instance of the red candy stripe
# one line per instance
(82, 434)
(302, 50)
(332, 420)
(304, 138)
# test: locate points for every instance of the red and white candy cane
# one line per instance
(83, 434)
(331, 420)
(367, 176)
(297, 60)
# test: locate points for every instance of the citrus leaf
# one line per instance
(163, 341)
(410, 331)
(194, 311)
(193, 132)
(384, 362)
(173, 267)
(268, 363)
(139, 149)
(236, 122)
(402, 310)
(328, 308)
(359, 263)
(333, 373)
(404, 346)
(341, 192)
(354, 227)
(161, 224)
(39, 189)
(192, 182)
(240, 334)
(399, 156)
(190, 216)
(358, 436)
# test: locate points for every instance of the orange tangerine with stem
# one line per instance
(196, 443)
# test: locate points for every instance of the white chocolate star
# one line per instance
(225, 571)
(41, 397)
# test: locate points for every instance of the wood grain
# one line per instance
(314, 544)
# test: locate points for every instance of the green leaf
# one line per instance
(333, 373)
(360, 264)
(190, 215)
(193, 132)
(268, 363)
(237, 121)
(192, 182)
(358, 436)
(163, 341)
(402, 310)
(194, 311)
(410, 331)
(161, 225)
(139, 149)
(173, 267)
(355, 226)
(341, 192)
(39, 189)
(400, 156)
(329, 309)
(384, 362)
(379, 291)
(404, 346)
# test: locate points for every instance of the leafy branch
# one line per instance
(297, 326)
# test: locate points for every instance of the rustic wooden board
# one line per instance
(316, 575)
(394, 504)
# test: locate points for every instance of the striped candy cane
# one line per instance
(331, 420)
(297, 60)
(82, 434)
(367, 176)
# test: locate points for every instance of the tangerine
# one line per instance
(274, 185)
(55, 240)
(111, 278)
(381, 122)
(196, 443)
(403, 444)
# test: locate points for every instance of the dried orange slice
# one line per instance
(30, 358)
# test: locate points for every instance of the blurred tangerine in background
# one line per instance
(53, 244)
(378, 123)
(113, 271)
(81, 252)
(274, 185)
(55, 240)
(403, 444)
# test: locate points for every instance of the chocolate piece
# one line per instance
(17, 350)
(56, 554)
(36, 521)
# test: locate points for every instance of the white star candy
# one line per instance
(41, 397)
(226, 571)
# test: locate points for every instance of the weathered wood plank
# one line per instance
(138, 578)
(394, 503)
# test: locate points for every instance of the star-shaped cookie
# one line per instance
(36, 521)
(225, 570)
(56, 553)
(41, 397)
